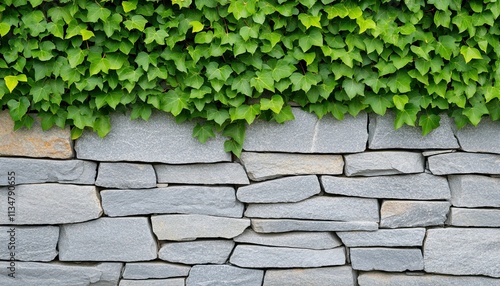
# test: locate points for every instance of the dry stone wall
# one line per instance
(310, 202)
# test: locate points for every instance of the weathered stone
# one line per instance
(158, 270)
(53, 143)
(384, 237)
(308, 240)
(484, 137)
(51, 204)
(464, 163)
(223, 275)
(192, 226)
(286, 225)
(398, 279)
(474, 217)
(386, 259)
(202, 174)
(253, 256)
(383, 163)
(139, 141)
(395, 214)
(463, 251)
(218, 201)
(155, 282)
(197, 252)
(474, 191)
(340, 275)
(31, 243)
(126, 176)
(283, 190)
(308, 134)
(33, 171)
(108, 239)
(263, 166)
(414, 187)
(436, 152)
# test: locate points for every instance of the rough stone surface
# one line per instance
(154, 270)
(463, 251)
(218, 201)
(340, 275)
(474, 191)
(253, 256)
(414, 187)
(384, 163)
(223, 275)
(202, 174)
(108, 239)
(308, 134)
(308, 240)
(395, 214)
(126, 176)
(286, 225)
(197, 252)
(283, 190)
(32, 243)
(474, 217)
(263, 166)
(192, 226)
(484, 137)
(384, 237)
(155, 282)
(160, 139)
(52, 204)
(386, 259)
(396, 279)
(464, 163)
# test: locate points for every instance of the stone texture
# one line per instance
(396, 279)
(218, 201)
(474, 191)
(263, 166)
(51, 204)
(34, 171)
(464, 163)
(308, 240)
(340, 275)
(197, 252)
(463, 251)
(108, 239)
(283, 190)
(384, 237)
(413, 187)
(160, 139)
(223, 275)
(474, 217)
(155, 270)
(155, 282)
(395, 214)
(53, 143)
(386, 259)
(286, 225)
(32, 243)
(202, 174)
(253, 256)
(384, 136)
(308, 134)
(384, 163)
(192, 226)
(484, 137)
(437, 152)
(126, 176)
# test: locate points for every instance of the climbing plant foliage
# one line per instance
(225, 63)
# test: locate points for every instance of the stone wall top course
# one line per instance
(483, 138)
(464, 163)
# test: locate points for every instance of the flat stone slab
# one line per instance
(154, 270)
(197, 252)
(218, 201)
(398, 279)
(202, 174)
(253, 256)
(29, 243)
(464, 163)
(126, 176)
(108, 239)
(286, 225)
(384, 163)
(223, 275)
(413, 187)
(154, 282)
(397, 214)
(474, 191)
(160, 139)
(308, 134)
(193, 226)
(484, 137)
(283, 190)
(263, 166)
(384, 237)
(463, 251)
(51, 204)
(386, 259)
(474, 217)
(339, 275)
(308, 240)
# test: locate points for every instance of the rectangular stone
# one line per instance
(474, 217)
(202, 174)
(384, 163)
(386, 259)
(474, 191)
(339, 275)
(126, 176)
(397, 214)
(286, 225)
(398, 279)
(29, 243)
(384, 237)
(464, 163)
(154, 270)
(154, 282)
(224, 275)
(197, 252)
(308, 240)
(481, 138)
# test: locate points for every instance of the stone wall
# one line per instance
(308, 203)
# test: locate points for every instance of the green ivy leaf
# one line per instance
(174, 102)
(310, 21)
(102, 125)
(400, 101)
(18, 109)
(378, 103)
(475, 112)
(203, 132)
(4, 29)
(247, 112)
(11, 81)
(263, 80)
(353, 88)
(428, 122)
(314, 38)
(470, 53)
(275, 103)
(129, 6)
(407, 116)
(137, 22)
(96, 12)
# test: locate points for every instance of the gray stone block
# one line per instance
(263, 166)
(396, 214)
(384, 163)
(413, 187)
(474, 217)
(197, 252)
(253, 256)
(308, 134)
(429, 153)
(218, 201)
(108, 239)
(223, 275)
(29, 243)
(154, 270)
(464, 163)
(398, 279)
(484, 137)
(51, 204)
(386, 259)
(160, 139)
(154, 282)
(308, 240)
(340, 275)
(474, 191)
(283, 190)
(126, 176)
(463, 251)
(384, 237)
(286, 225)
(202, 174)
(193, 226)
